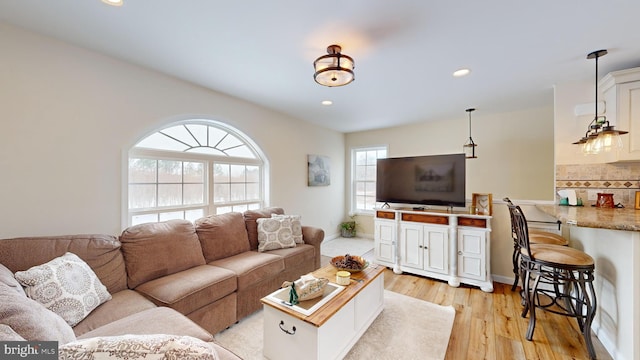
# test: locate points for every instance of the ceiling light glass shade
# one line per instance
(334, 69)
(611, 139)
(469, 147)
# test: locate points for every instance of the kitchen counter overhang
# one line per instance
(593, 217)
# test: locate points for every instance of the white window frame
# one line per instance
(353, 206)
(209, 207)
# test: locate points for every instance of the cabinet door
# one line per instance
(385, 241)
(628, 119)
(472, 254)
(411, 249)
(436, 249)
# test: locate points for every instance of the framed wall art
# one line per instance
(319, 170)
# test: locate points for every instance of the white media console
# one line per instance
(445, 245)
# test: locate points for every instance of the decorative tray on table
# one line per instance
(306, 307)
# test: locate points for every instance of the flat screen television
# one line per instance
(423, 180)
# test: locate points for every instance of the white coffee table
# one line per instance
(331, 330)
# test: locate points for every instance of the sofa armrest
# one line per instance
(313, 236)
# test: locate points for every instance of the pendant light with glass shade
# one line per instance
(600, 136)
(469, 147)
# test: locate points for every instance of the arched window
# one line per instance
(193, 169)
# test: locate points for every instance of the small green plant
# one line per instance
(348, 225)
(348, 228)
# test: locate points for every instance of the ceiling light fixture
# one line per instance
(113, 2)
(327, 102)
(333, 69)
(461, 72)
(600, 136)
(469, 147)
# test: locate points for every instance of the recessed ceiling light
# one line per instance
(461, 72)
(113, 2)
(327, 102)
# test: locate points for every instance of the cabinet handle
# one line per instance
(293, 329)
(459, 252)
(420, 246)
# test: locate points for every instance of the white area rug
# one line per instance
(406, 329)
(343, 246)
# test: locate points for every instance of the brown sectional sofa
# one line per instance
(174, 277)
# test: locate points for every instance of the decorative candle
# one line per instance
(343, 277)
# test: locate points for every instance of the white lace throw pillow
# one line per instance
(65, 285)
(274, 234)
(143, 347)
(296, 226)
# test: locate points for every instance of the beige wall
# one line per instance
(68, 115)
(515, 159)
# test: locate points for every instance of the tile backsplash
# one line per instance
(620, 179)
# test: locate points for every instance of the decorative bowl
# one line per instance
(358, 263)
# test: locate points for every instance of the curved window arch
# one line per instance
(192, 169)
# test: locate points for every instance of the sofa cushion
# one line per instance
(252, 267)
(295, 257)
(222, 236)
(274, 233)
(8, 278)
(100, 252)
(8, 334)
(157, 346)
(296, 226)
(32, 320)
(250, 217)
(159, 320)
(153, 250)
(189, 290)
(65, 285)
(122, 304)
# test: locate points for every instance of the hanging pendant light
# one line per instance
(333, 69)
(469, 147)
(600, 136)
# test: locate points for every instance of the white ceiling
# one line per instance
(405, 51)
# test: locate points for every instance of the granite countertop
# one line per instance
(587, 216)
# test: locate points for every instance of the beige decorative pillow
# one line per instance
(65, 285)
(296, 226)
(274, 234)
(31, 320)
(148, 347)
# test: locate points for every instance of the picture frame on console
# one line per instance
(482, 204)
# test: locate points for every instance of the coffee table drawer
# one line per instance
(282, 342)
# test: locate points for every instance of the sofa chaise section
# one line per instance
(128, 312)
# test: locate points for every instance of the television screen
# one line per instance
(425, 180)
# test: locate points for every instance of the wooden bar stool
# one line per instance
(562, 280)
(535, 237)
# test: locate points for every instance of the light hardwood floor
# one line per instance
(489, 325)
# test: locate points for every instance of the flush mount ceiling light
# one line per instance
(461, 72)
(333, 69)
(469, 147)
(113, 2)
(600, 136)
